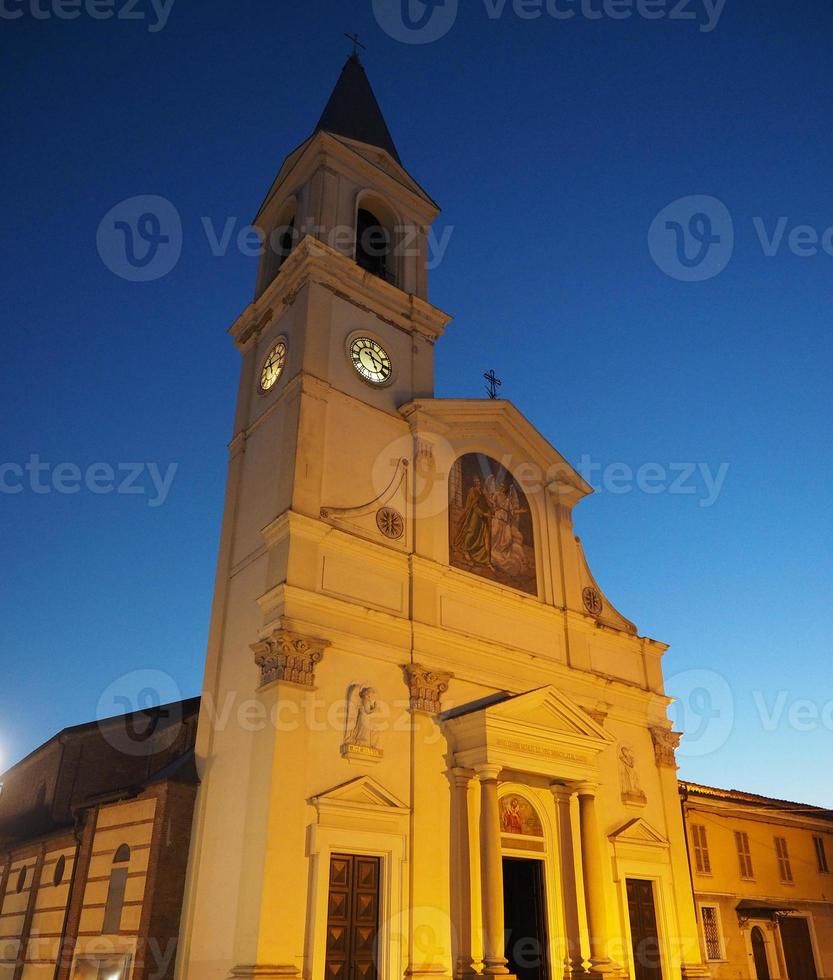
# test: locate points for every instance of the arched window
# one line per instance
(373, 245)
(759, 954)
(285, 242)
(279, 244)
(21, 880)
(115, 892)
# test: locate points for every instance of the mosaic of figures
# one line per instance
(517, 816)
(490, 525)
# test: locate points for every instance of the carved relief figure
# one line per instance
(517, 816)
(362, 702)
(490, 527)
(631, 788)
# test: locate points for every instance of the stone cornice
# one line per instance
(315, 261)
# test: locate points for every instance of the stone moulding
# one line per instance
(287, 656)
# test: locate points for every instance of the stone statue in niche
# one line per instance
(360, 736)
(632, 791)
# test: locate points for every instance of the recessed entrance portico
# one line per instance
(545, 736)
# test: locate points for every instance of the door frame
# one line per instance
(549, 857)
(540, 860)
(814, 946)
(392, 932)
(661, 911)
(772, 947)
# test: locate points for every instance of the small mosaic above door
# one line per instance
(517, 816)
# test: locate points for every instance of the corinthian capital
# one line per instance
(666, 743)
(287, 656)
(426, 687)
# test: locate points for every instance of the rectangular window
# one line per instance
(711, 932)
(701, 849)
(821, 855)
(784, 867)
(744, 854)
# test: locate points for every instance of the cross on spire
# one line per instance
(492, 384)
(356, 44)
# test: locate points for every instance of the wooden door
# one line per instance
(353, 917)
(798, 949)
(759, 954)
(644, 935)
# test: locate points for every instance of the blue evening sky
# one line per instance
(552, 144)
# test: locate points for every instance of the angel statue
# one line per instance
(361, 704)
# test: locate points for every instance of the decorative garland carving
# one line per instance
(399, 475)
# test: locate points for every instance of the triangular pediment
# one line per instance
(551, 710)
(459, 425)
(638, 831)
(364, 792)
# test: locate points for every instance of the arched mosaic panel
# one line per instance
(518, 816)
(490, 525)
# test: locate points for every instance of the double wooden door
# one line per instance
(353, 917)
(798, 948)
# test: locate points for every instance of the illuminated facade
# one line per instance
(450, 730)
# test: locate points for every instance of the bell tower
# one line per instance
(339, 336)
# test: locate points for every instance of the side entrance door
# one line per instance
(353, 917)
(644, 935)
(798, 949)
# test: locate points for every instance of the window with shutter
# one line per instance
(744, 854)
(821, 855)
(784, 867)
(702, 863)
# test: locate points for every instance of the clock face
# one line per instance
(371, 360)
(273, 366)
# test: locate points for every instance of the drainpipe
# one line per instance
(683, 800)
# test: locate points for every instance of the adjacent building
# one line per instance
(762, 874)
(94, 833)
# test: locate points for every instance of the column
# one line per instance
(465, 959)
(594, 875)
(573, 960)
(491, 873)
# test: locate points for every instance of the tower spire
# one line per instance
(353, 111)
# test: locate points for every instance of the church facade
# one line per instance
(429, 745)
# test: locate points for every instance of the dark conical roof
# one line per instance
(354, 112)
